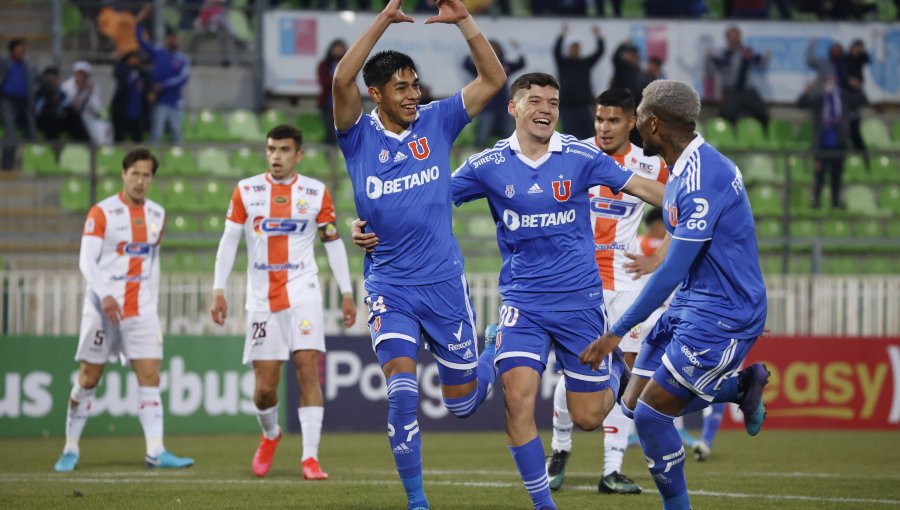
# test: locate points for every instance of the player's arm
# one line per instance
(679, 258)
(337, 257)
(89, 263)
(347, 99)
(228, 245)
(648, 190)
(490, 76)
(641, 265)
(601, 46)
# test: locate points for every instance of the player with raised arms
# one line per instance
(690, 357)
(398, 158)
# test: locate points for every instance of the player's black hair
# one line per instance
(139, 154)
(14, 43)
(652, 216)
(525, 82)
(283, 132)
(382, 65)
(617, 97)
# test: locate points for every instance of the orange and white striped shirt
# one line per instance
(281, 222)
(128, 264)
(616, 218)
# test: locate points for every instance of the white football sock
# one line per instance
(617, 427)
(562, 421)
(268, 420)
(150, 414)
(311, 429)
(77, 415)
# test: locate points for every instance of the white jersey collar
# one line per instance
(686, 154)
(401, 136)
(516, 147)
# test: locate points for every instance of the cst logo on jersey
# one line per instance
(278, 226)
(141, 250)
(611, 208)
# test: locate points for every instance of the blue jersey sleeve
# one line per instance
(350, 141)
(698, 210)
(606, 172)
(454, 116)
(465, 186)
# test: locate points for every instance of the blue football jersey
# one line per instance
(543, 216)
(401, 187)
(705, 201)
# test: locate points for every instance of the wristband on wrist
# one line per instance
(468, 27)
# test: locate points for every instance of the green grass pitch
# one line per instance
(777, 469)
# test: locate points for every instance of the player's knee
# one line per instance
(265, 396)
(88, 380)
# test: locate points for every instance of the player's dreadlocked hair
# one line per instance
(618, 97)
(525, 82)
(673, 102)
(382, 65)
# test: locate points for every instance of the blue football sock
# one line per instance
(711, 423)
(729, 391)
(403, 434)
(529, 459)
(615, 375)
(463, 407)
(665, 455)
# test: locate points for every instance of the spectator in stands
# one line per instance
(495, 120)
(828, 105)
(833, 63)
(171, 72)
(616, 8)
(626, 68)
(335, 53)
(129, 108)
(652, 71)
(213, 18)
(674, 8)
(118, 23)
(756, 9)
(50, 105)
(18, 81)
(736, 67)
(559, 7)
(857, 59)
(576, 99)
(83, 95)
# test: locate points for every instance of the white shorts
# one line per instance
(100, 342)
(617, 302)
(276, 335)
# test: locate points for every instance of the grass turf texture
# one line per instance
(788, 470)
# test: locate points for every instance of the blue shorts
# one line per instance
(439, 314)
(687, 366)
(524, 338)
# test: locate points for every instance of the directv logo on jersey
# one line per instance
(514, 220)
(375, 187)
(496, 157)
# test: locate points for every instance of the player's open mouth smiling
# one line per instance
(543, 122)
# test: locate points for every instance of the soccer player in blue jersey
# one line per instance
(690, 357)
(398, 158)
(536, 183)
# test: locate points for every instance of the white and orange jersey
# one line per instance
(128, 265)
(280, 225)
(616, 218)
(648, 245)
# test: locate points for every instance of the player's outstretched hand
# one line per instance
(111, 310)
(394, 12)
(348, 309)
(449, 11)
(366, 240)
(595, 353)
(641, 265)
(219, 309)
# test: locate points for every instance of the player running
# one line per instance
(120, 261)
(398, 158)
(698, 344)
(279, 213)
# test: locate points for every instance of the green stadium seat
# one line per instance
(215, 196)
(181, 261)
(240, 25)
(209, 126)
(765, 201)
(889, 198)
(880, 265)
(799, 264)
(109, 186)
(466, 137)
(855, 170)
(213, 224)
(214, 161)
(343, 198)
(719, 133)
(843, 266)
(804, 136)
(315, 164)
(311, 126)
(181, 224)
(271, 118)
(481, 226)
(836, 228)
(460, 227)
(483, 265)
(248, 161)
(869, 229)
(177, 161)
(893, 230)
(75, 159)
(861, 200)
(804, 229)
(770, 265)
(74, 195)
(180, 196)
(875, 133)
(243, 125)
(109, 160)
(782, 134)
(750, 134)
(39, 159)
(769, 229)
(758, 168)
(800, 168)
(356, 261)
(884, 169)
